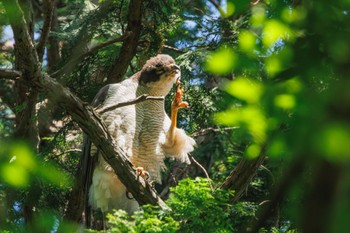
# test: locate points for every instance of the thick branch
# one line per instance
(91, 124)
(128, 49)
(244, 172)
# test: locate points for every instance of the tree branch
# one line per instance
(92, 125)
(205, 172)
(139, 99)
(83, 38)
(30, 67)
(244, 172)
(173, 49)
(48, 7)
(128, 49)
(69, 66)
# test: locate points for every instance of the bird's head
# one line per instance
(160, 72)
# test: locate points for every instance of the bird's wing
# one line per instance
(120, 123)
(89, 156)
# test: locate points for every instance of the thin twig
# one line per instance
(68, 151)
(139, 99)
(173, 48)
(205, 172)
(255, 3)
(95, 48)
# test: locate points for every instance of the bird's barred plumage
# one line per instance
(140, 130)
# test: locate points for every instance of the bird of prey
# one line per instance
(143, 131)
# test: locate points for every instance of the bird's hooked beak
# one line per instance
(177, 70)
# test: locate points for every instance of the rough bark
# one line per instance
(48, 10)
(53, 50)
(128, 49)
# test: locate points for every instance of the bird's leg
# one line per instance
(175, 106)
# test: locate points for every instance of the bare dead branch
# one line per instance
(173, 49)
(48, 8)
(139, 99)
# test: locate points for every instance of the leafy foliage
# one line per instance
(195, 207)
(261, 79)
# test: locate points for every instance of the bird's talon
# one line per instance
(178, 103)
(143, 173)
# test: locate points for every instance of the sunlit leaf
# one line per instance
(293, 15)
(333, 141)
(274, 30)
(273, 65)
(277, 148)
(251, 117)
(245, 89)
(221, 62)
(253, 151)
(258, 16)
(247, 42)
(22, 155)
(54, 176)
(293, 85)
(285, 101)
(14, 175)
(229, 117)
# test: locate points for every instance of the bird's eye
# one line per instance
(158, 65)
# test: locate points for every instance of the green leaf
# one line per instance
(245, 89)
(221, 62)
